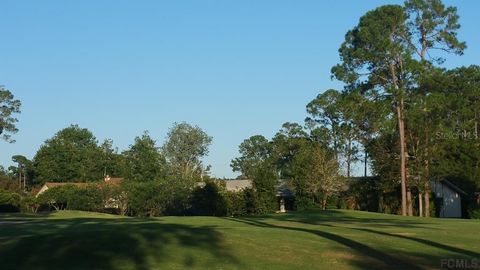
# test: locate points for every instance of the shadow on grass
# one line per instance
(374, 259)
(327, 217)
(337, 216)
(108, 244)
(459, 251)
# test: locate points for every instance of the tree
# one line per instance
(432, 27)
(72, 155)
(143, 160)
(375, 56)
(112, 161)
(333, 112)
(325, 112)
(317, 173)
(24, 168)
(9, 106)
(184, 149)
(254, 151)
(285, 145)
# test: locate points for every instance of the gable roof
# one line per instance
(453, 186)
(237, 185)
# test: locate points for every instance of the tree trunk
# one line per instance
(402, 156)
(365, 164)
(420, 204)
(324, 202)
(349, 161)
(427, 199)
(409, 202)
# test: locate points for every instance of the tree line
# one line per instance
(400, 113)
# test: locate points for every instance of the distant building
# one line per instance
(448, 199)
(284, 195)
(107, 180)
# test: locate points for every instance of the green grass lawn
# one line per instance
(303, 240)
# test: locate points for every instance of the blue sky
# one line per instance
(235, 68)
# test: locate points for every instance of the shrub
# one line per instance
(304, 203)
(148, 199)
(235, 203)
(30, 204)
(474, 212)
(208, 201)
(71, 197)
(9, 201)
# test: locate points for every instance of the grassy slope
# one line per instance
(309, 240)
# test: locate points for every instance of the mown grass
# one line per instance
(304, 240)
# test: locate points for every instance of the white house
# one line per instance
(448, 198)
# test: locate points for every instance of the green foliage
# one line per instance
(184, 149)
(236, 204)
(316, 174)
(73, 197)
(143, 160)
(474, 211)
(9, 201)
(72, 155)
(254, 151)
(150, 198)
(208, 200)
(9, 106)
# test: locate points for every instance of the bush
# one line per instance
(71, 197)
(474, 212)
(30, 204)
(304, 203)
(208, 201)
(148, 199)
(235, 203)
(9, 201)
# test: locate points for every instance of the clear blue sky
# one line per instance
(235, 68)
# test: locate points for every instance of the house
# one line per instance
(448, 198)
(284, 194)
(106, 181)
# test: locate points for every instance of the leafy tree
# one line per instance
(112, 161)
(184, 149)
(143, 160)
(286, 144)
(24, 170)
(432, 28)
(254, 151)
(9, 106)
(376, 57)
(72, 155)
(334, 112)
(317, 173)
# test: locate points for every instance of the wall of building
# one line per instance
(451, 201)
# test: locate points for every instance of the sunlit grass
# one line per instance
(303, 240)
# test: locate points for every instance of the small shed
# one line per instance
(448, 199)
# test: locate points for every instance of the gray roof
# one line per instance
(238, 185)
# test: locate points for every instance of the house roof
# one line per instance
(55, 184)
(282, 187)
(453, 186)
(110, 181)
(237, 185)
